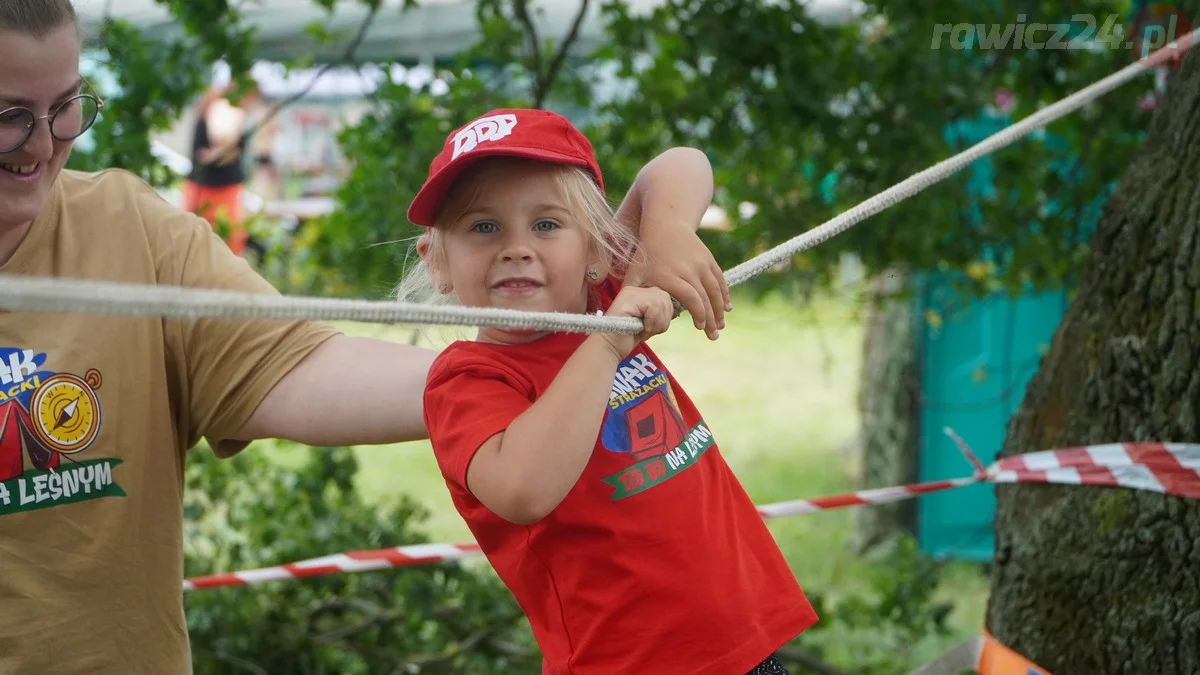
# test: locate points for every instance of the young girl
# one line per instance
(586, 474)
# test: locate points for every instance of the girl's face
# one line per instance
(516, 246)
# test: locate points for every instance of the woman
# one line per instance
(214, 187)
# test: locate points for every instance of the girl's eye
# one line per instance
(545, 225)
(484, 227)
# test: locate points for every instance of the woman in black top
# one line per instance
(214, 187)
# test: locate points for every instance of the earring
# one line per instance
(593, 274)
(443, 288)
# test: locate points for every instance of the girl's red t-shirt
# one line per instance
(656, 561)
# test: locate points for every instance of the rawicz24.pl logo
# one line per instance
(1154, 26)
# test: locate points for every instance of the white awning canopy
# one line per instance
(435, 29)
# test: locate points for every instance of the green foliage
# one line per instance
(284, 259)
(878, 631)
(362, 247)
(156, 81)
(805, 120)
(802, 120)
(252, 512)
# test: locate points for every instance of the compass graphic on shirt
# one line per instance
(66, 412)
(47, 420)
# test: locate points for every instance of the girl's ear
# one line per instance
(432, 265)
(598, 269)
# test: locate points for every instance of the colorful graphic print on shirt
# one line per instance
(643, 421)
(49, 418)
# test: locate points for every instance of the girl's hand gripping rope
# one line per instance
(652, 305)
(684, 267)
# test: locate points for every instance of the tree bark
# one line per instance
(1095, 580)
(887, 401)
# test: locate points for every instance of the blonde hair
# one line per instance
(612, 242)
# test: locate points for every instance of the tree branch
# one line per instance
(827, 357)
(561, 56)
(376, 619)
(338, 606)
(543, 80)
(346, 57)
(424, 660)
(521, 9)
(808, 661)
(508, 648)
(230, 660)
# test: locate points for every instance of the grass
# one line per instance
(779, 391)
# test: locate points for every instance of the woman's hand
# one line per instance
(651, 305)
(217, 156)
(674, 259)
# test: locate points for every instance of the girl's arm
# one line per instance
(523, 473)
(664, 208)
(674, 188)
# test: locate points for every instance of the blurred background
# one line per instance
(839, 369)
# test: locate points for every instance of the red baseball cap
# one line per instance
(521, 132)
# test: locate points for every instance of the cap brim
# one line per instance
(425, 206)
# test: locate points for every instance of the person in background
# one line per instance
(214, 188)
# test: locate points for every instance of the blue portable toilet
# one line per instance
(975, 363)
(975, 358)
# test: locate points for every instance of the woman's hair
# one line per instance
(612, 242)
(207, 99)
(37, 18)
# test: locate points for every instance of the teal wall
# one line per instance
(975, 361)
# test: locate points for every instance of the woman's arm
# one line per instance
(348, 391)
(523, 473)
(664, 208)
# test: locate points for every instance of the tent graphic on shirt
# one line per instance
(654, 426)
(46, 420)
(15, 437)
(643, 421)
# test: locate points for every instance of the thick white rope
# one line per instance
(62, 295)
(948, 167)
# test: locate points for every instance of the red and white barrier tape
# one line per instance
(354, 561)
(1171, 468)
(862, 497)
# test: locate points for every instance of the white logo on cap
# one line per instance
(491, 128)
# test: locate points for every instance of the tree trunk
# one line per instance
(887, 404)
(1095, 580)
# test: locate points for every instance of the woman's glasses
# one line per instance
(67, 122)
